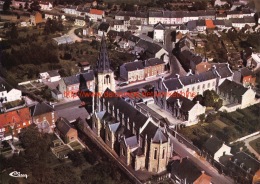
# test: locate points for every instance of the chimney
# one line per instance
(178, 76)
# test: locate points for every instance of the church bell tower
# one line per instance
(104, 74)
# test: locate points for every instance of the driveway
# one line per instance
(73, 35)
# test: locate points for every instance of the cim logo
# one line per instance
(17, 174)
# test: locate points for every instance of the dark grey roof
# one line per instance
(131, 141)
(237, 20)
(228, 23)
(219, 22)
(212, 145)
(88, 76)
(153, 62)
(103, 26)
(173, 84)
(248, 162)
(138, 152)
(223, 70)
(124, 108)
(63, 125)
(192, 79)
(132, 14)
(136, 65)
(191, 57)
(159, 25)
(202, 13)
(150, 47)
(114, 126)
(201, 23)
(246, 72)
(185, 104)
(185, 169)
(191, 25)
(249, 20)
(154, 133)
(53, 73)
(232, 88)
(133, 38)
(41, 108)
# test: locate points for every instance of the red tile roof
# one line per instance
(96, 11)
(17, 117)
(210, 24)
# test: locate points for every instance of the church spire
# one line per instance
(103, 63)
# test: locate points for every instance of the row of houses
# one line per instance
(180, 17)
(141, 70)
(23, 3)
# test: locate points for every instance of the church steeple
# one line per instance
(103, 63)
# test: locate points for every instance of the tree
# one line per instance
(6, 5)
(35, 6)
(202, 117)
(76, 158)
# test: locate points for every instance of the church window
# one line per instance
(163, 153)
(155, 154)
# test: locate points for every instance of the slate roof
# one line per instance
(246, 72)
(212, 145)
(131, 66)
(233, 88)
(153, 62)
(228, 23)
(223, 70)
(191, 25)
(150, 47)
(154, 133)
(133, 38)
(63, 125)
(190, 56)
(219, 22)
(124, 107)
(173, 84)
(159, 26)
(185, 169)
(138, 152)
(131, 141)
(88, 76)
(248, 162)
(185, 104)
(41, 108)
(192, 79)
(132, 14)
(53, 73)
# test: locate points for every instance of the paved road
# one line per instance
(200, 162)
(73, 35)
(67, 105)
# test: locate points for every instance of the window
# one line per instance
(203, 86)
(163, 153)
(155, 154)
(208, 85)
(198, 87)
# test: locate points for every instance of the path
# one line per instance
(250, 148)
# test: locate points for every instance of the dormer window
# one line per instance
(242, 165)
(249, 170)
(235, 161)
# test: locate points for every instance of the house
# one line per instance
(84, 66)
(237, 93)
(201, 25)
(214, 148)
(50, 76)
(45, 5)
(182, 29)
(131, 15)
(9, 94)
(70, 9)
(184, 171)
(158, 32)
(65, 39)
(132, 71)
(65, 130)
(245, 76)
(210, 24)
(36, 18)
(153, 67)
(244, 167)
(220, 24)
(56, 94)
(12, 122)
(139, 141)
(190, 60)
(253, 62)
(184, 109)
(43, 112)
(220, 2)
(69, 86)
(95, 14)
(80, 21)
(103, 28)
(21, 3)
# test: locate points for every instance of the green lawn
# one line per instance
(256, 145)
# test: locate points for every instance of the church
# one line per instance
(138, 140)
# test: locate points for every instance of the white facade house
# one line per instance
(45, 5)
(50, 76)
(158, 32)
(9, 95)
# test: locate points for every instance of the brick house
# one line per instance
(153, 67)
(65, 130)
(43, 113)
(14, 120)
